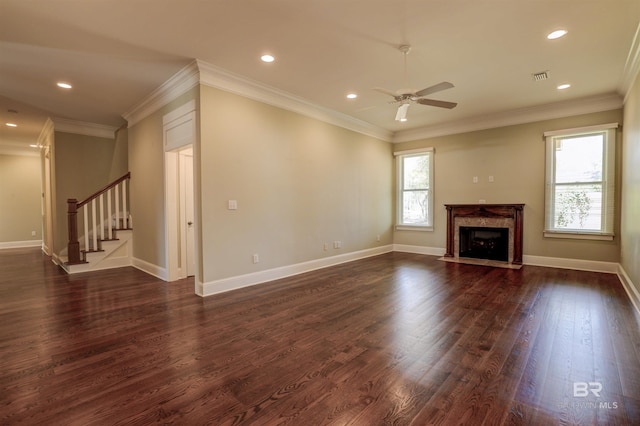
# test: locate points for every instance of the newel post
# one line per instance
(73, 247)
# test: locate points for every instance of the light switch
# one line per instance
(475, 179)
(233, 205)
(491, 179)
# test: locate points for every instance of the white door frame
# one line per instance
(179, 132)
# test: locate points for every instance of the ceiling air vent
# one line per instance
(541, 76)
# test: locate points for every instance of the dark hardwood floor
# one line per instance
(394, 339)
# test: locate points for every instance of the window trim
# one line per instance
(400, 155)
(606, 231)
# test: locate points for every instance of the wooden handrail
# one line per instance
(103, 190)
(73, 246)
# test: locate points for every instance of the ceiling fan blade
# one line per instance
(435, 103)
(386, 91)
(435, 88)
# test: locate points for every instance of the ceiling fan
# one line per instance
(405, 98)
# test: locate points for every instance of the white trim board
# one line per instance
(240, 281)
(180, 83)
(219, 78)
(629, 287)
(577, 264)
(150, 268)
(536, 113)
(83, 128)
(430, 251)
(20, 244)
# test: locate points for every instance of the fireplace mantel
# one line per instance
(499, 211)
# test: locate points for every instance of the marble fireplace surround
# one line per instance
(485, 215)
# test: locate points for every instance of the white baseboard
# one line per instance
(431, 251)
(150, 268)
(629, 287)
(240, 281)
(20, 244)
(564, 263)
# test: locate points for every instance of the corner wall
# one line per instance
(630, 229)
(146, 164)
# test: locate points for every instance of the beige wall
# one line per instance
(515, 157)
(630, 241)
(20, 195)
(83, 165)
(298, 182)
(146, 163)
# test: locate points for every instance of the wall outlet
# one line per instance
(326, 246)
(491, 179)
(256, 258)
(378, 237)
(232, 205)
(475, 179)
(33, 233)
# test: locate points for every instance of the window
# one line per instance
(415, 189)
(580, 182)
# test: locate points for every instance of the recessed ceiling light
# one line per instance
(34, 146)
(12, 125)
(267, 58)
(556, 34)
(352, 96)
(564, 86)
(402, 120)
(64, 85)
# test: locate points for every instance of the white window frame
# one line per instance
(606, 231)
(400, 156)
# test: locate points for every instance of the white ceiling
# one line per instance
(116, 52)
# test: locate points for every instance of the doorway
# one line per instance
(179, 139)
(187, 237)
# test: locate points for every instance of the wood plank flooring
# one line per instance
(398, 339)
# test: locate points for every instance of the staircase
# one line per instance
(107, 240)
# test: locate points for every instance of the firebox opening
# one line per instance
(484, 243)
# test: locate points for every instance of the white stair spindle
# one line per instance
(124, 205)
(102, 216)
(85, 209)
(93, 225)
(117, 197)
(109, 215)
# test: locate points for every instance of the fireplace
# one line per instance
(484, 243)
(485, 231)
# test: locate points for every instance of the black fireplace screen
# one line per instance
(484, 243)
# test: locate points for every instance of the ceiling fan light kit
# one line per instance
(401, 115)
(405, 99)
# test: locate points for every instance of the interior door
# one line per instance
(187, 210)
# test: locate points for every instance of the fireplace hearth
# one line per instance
(485, 231)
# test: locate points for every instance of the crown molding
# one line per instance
(631, 66)
(518, 116)
(84, 128)
(181, 82)
(201, 72)
(18, 149)
(212, 76)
